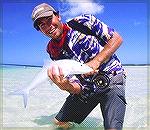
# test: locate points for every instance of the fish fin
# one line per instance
(22, 92)
(25, 99)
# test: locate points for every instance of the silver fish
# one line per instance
(69, 67)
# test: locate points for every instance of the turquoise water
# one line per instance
(46, 100)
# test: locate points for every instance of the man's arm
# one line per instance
(109, 49)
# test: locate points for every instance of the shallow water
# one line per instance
(46, 100)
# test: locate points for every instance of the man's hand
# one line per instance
(57, 76)
(94, 64)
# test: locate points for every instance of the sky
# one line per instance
(22, 44)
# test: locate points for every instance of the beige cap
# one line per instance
(42, 10)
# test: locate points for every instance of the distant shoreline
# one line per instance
(136, 64)
(20, 65)
(26, 65)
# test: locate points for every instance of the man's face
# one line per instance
(51, 26)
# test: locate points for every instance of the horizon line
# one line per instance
(29, 65)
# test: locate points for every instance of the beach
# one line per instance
(46, 100)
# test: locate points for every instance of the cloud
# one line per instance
(70, 9)
(137, 23)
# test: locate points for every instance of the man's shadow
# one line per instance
(89, 122)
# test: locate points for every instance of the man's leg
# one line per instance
(75, 110)
(113, 104)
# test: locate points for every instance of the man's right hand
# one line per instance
(57, 76)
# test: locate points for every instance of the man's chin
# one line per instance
(56, 36)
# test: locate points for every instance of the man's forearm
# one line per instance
(109, 48)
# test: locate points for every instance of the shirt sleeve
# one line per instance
(97, 27)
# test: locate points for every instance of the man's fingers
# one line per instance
(55, 74)
(61, 75)
(52, 74)
(49, 73)
(90, 73)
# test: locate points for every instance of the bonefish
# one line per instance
(69, 67)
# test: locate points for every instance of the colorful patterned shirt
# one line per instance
(83, 47)
(86, 47)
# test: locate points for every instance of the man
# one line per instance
(88, 40)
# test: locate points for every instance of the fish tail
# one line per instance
(25, 99)
(22, 92)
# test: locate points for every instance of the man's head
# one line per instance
(47, 20)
